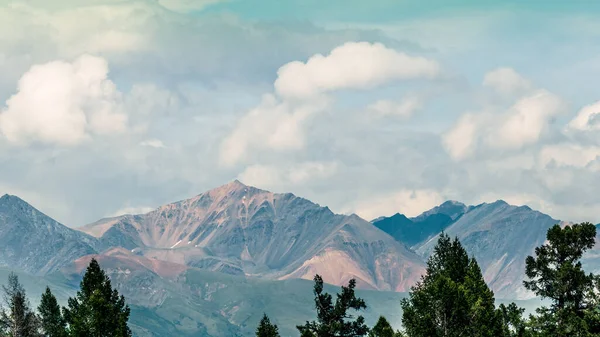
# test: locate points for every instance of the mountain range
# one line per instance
(212, 264)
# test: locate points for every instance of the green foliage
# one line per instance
(17, 319)
(383, 329)
(333, 320)
(512, 320)
(266, 329)
(52, 321)
(97, 310)
(556, 273)
(452, 299)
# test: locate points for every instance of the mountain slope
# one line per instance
(500, 237)
(238, 229)
(415, 230)
(35, 243)
(196, 302)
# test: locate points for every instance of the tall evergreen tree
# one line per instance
(452, 298)
(556, 273)
(382, 329)
(512, 321)
(97, 310)
(16, 318)
(266, 329)
(333, 319)
(52, 321)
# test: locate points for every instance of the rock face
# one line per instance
(500, 237)
(238, 229)
(33, 242)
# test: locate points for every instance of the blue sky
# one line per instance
(373, 107)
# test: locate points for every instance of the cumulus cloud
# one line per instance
(522, 124)
(460, 141)
(408, 202)
(587, 119)
(353, 65)
(404, 108)
(275, 177)
(301, 91)
(273, 124)
(526, 121)
(63, 103)
(507, 81)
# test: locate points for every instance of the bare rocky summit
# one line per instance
(242, 230)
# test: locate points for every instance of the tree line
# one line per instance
(96, 311)
(453, 300)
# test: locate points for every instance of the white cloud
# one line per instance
(588, 118)
(404, 108)
(460, 141)
(526, 121)
(573, 155)
(507, 81)
(268, 176)
(522, 124)
(354, 65)
(406, 201)
(300, 92)
(62, 103)
(132, 211)
(273, 124)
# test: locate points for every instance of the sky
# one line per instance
(110, 107)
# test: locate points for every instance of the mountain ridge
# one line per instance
(33, 242)
(240, 229)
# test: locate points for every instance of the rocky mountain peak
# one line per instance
(13, 200)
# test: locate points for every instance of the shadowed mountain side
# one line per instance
(500, 237)
(421, 228)
(238, 229)
(35, 243)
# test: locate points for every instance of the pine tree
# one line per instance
(556, 273)
(52, 321)
(382, 329)
(452, 299)
(17, 319)
(97, 310)
(333, 319)
(266, 329)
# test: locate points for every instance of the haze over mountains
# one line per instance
(172, 262)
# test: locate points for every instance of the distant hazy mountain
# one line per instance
(415, 230)
(241, 230)
(33, 242)
(500, 237)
